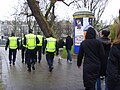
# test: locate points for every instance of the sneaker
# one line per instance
(70, 62)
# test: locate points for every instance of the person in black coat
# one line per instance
(113, 65)
(69, 43)
(107, 45)
(92, 51)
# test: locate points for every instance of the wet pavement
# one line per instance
(64, 76)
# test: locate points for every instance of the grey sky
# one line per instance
(7, 9)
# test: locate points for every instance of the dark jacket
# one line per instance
(69, 43)
(107, 45)
(92, 51)
(113, 68)
(61, 43)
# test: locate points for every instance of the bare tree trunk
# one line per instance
(42, 22)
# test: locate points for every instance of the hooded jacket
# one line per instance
(92, 51)
(113, 68)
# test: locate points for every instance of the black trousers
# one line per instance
(49, 58)
(12, 55)
(30, 58)
(39, 52)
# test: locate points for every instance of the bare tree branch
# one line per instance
(68, 4)
(50, 7)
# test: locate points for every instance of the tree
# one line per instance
(37, 13)
(45, 19)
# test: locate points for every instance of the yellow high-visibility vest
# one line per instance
(51, 44)
(30, 41)
(12, 42)
(40, 37)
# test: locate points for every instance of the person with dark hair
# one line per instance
(30, 41)
(61, 43)
(107, 45)
(92, 51)
(50, 47)
(69, 44)
(39, 47)
(113, 65)
(13, 44)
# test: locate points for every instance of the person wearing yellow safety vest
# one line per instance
(13, 44)
(50, 47)
(30, 41)
(39, 47)
(23, 47)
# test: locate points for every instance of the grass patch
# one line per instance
(1, 85)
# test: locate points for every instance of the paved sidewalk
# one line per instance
(64, 76)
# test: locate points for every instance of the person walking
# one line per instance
(92, 51)
(23, 48)
(61, 43)
(30, 41)
(113, 65)
(107, 45)
(39, 46)
(13, 44)
(51, 48)
(69, 44)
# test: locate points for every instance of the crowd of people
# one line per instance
(100, 57)
(101, 60)
(33, 46)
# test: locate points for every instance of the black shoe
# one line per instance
(33, 68)
(50, 69)
(29, 70)
(13, 63)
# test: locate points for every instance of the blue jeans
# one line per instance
(99, 84)
(69, 55)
